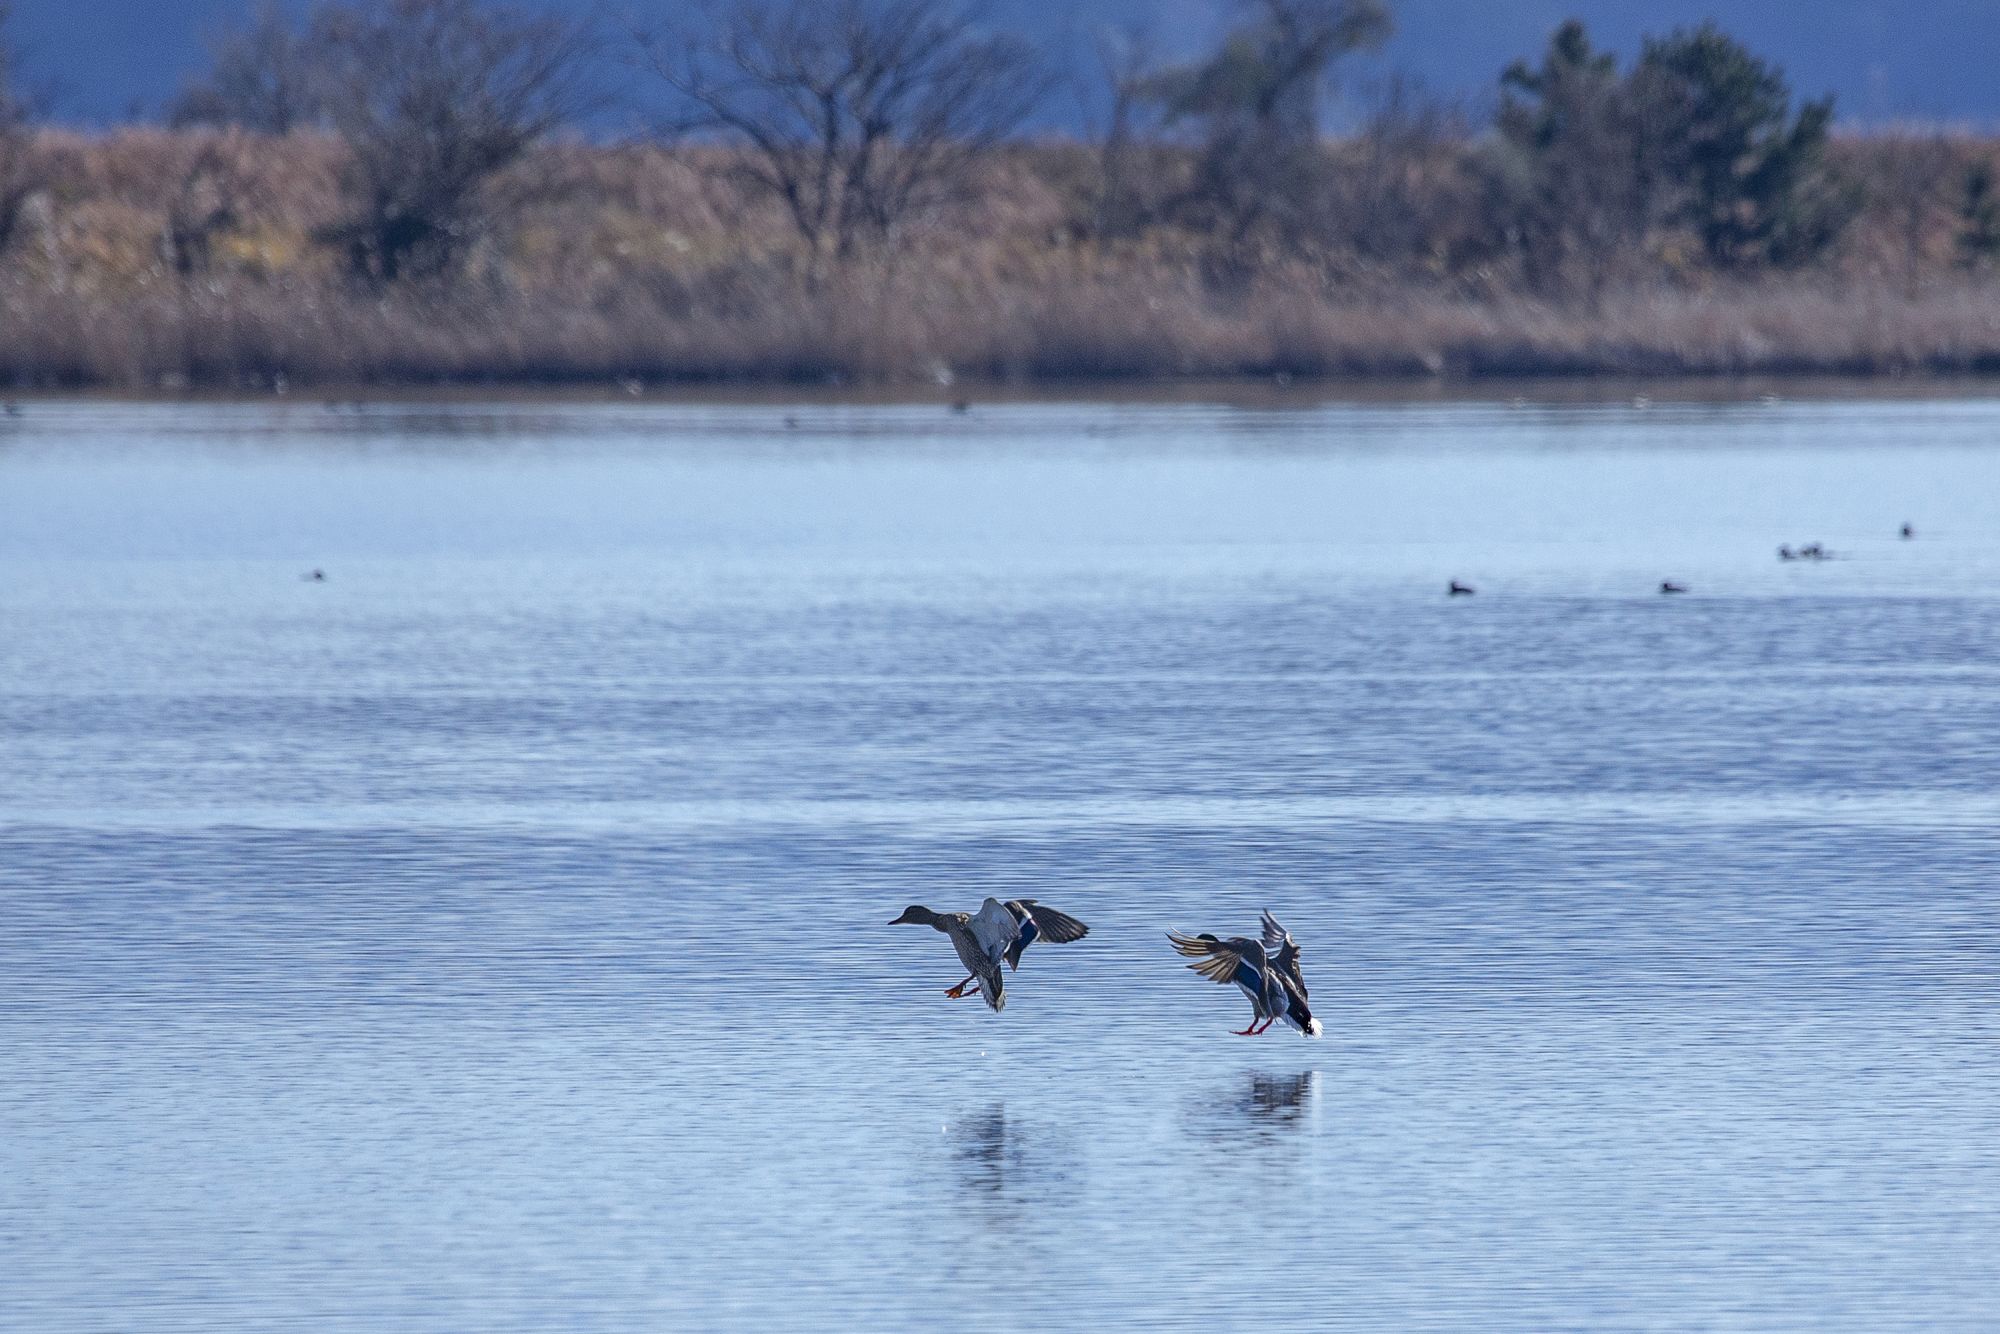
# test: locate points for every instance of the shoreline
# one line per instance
(1247, 391)
(918, 337)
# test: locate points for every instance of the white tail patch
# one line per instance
(1314, 1028)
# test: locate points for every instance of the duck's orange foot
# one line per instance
(956, 991)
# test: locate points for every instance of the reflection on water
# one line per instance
(1279, 1100)
(490, 936)
(1004, 1158)
(1254, 1104)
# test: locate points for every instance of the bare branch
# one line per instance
(860, 116)
(435, 98)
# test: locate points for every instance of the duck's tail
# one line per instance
(993, 987)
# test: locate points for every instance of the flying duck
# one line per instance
(982, 940)
(1036, 922)
(1241, 961)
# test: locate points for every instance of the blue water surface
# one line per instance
(494, 935)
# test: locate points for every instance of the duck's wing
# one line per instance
(1219, 960)
(1275, 935)
(1053, 925)
(1039, 922)
(1284, 952)
(994, 928)
(1286, 964)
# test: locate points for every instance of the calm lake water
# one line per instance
(493, 937)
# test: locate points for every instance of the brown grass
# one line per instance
(629, 263)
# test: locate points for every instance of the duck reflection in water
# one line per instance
(985, 1152)
(1263, 1104)
(1279, 1099)
(997, 1156)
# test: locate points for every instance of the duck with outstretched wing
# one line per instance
(1242, 962)
(982, 940)
(1037, 921)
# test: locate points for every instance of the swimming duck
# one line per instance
(1459, 590)
(1036, 922)
(1283, 952)
(1242, 961)
(1908, 532)
(982, 940)
(1669, 586)
(1785, 553)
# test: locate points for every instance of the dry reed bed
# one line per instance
(637, 263)
(252, 335)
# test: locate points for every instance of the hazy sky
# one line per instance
(1884, 58)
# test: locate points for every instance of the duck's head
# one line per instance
(916, 914)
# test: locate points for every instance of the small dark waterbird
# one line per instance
(1458, 590)
(1908, 532)
(1036, 921)
(1669, 586)
(982, 940)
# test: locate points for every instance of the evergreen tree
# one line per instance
(1573, 154)
(1752, 176)
(1979, 216)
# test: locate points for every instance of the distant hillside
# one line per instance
(1885, 59)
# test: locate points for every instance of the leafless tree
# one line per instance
(23, 165)
(1401, 188)
(217, 188)
(1128, 65)
(262, 79)
(435, 98)
(1256, 100)
(856, 116)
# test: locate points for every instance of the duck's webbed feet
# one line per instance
(1249, 1032)
(960, 989)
